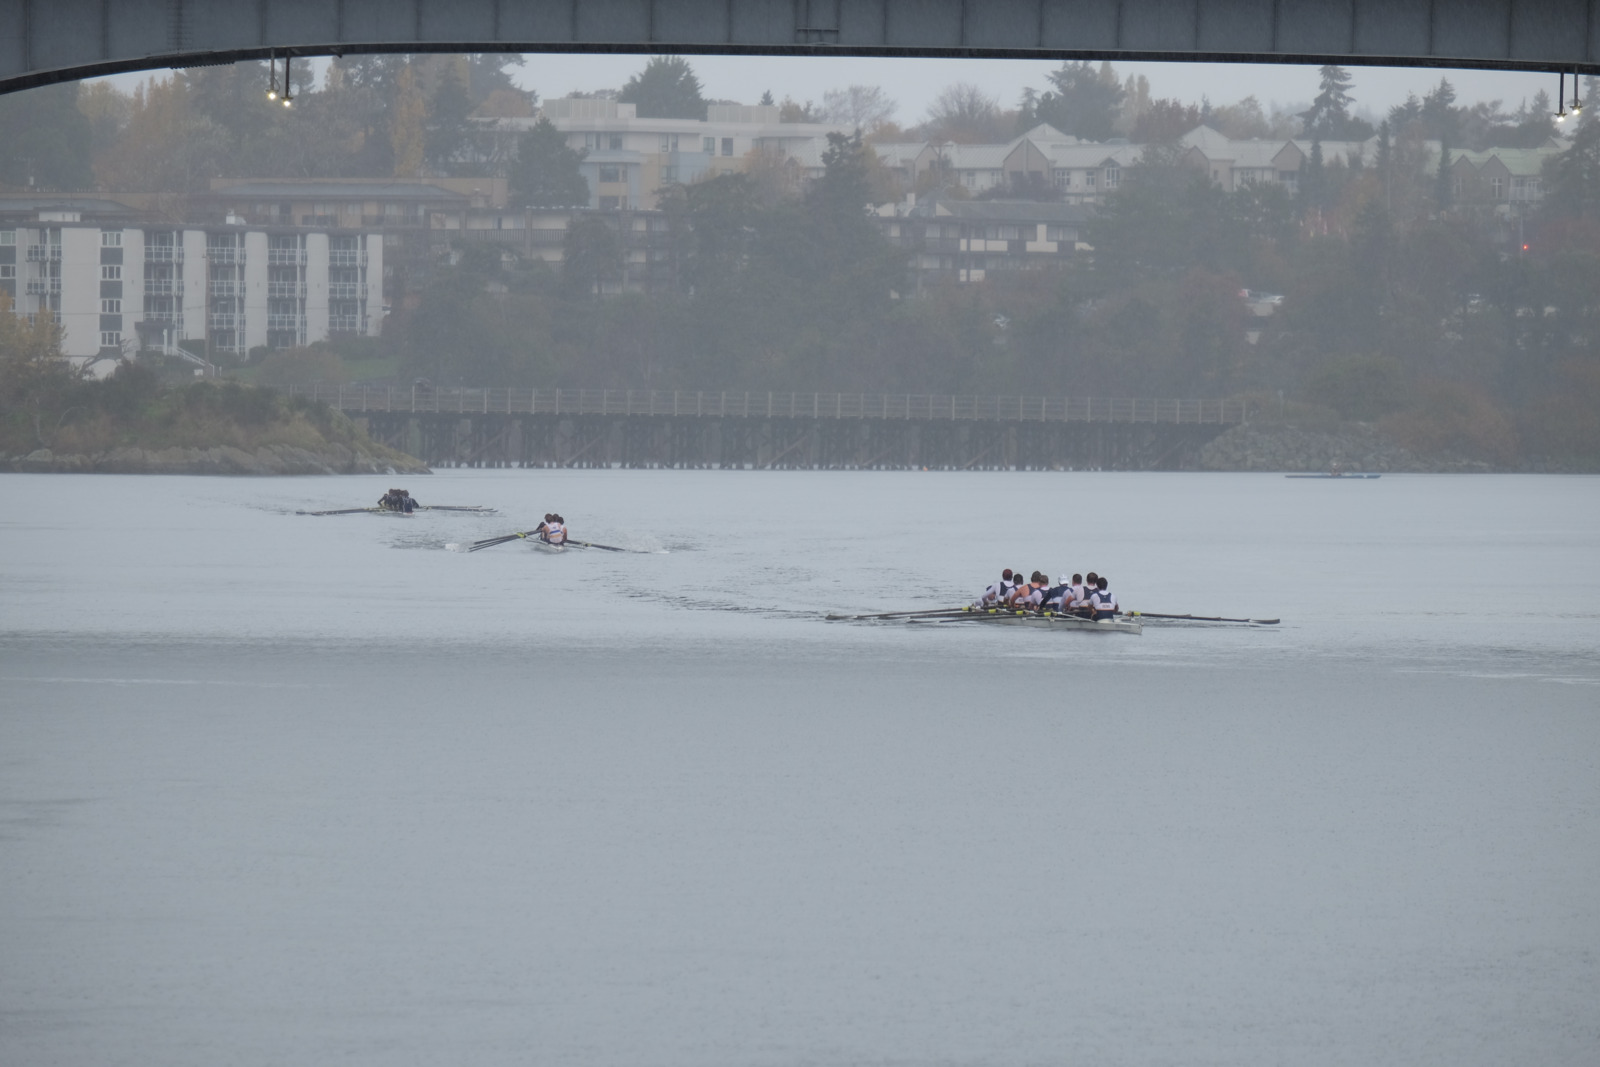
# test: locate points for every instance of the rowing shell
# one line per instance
(1050, 622)
(544, 546)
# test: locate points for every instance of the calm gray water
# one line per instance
(277, 789)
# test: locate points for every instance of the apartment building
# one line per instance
(628, 159)
(118, 280)
(970, 240)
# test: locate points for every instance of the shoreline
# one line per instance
(265, 461)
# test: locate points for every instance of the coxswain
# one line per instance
(1103, 601)
(991, 596)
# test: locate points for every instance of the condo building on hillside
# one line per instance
(118, 281)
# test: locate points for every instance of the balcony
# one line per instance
(166, 318)
(162, 287)
(224, 254)
(44, 253)
(344, 291)
(286, 290)
(44, 286)
(228, 288)
(297, 323)
(343, 257)
(226, 320)
(163, 254)
(346, 324)
(286, 257)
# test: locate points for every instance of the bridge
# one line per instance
(745, 430)
(45, 41)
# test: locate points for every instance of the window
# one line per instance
(110, 238)
(610, 203)
(614, 142)
(1497, 188)
(111, 307)
(110, 339)
(669, 142)
(1088, 179)
(708, 145)
(1113, 175)
(111, 272)
(727, 146)
(1455, 185)
(610, 173)
(8, 237)
(7, 270)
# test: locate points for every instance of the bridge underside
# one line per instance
(44, 41)
(761, 443)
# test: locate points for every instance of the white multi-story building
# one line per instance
(116, 280)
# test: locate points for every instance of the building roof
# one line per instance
(328, 190)
(33, 203)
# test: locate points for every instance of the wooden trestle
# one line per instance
(782, 431)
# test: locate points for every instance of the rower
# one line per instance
(991, 596)
(553, 530)
(1103, 601)
(1077, 597)
(1056, 597)
(1027, 595)
(397, 500)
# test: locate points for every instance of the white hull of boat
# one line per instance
(1052, 622)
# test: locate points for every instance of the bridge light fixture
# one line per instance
(1576, 107)
(1561, 96)
(272, 78)
(287, 96)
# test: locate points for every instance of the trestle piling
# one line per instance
(748, 430)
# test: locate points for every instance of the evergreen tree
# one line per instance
(665, 89)
(545, 172)
(592, 255)
(1443, 182)
(1328, 118)
(1440, 115)
(447, 129)
(1085, 102)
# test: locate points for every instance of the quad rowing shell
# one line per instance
(544, 546)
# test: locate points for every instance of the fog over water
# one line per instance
(286, 789)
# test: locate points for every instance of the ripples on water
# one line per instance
(280, 788)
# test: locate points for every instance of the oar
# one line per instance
(445, 507)
(492, 541)
(900, 614)
(591, 544)
(341, 511)
(1199, 618)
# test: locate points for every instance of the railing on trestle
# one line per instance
(747, 404)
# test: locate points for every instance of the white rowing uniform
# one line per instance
(1076, 597)
(555, 533)
(1104, 600)
(991, 596)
